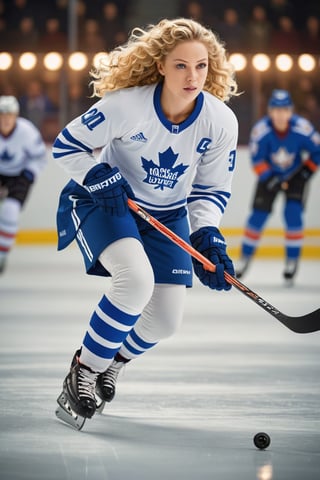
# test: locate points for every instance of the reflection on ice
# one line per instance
(265, 470)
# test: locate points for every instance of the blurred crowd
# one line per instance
(249, 26)
(271, 26)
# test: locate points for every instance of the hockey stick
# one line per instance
(304, 324)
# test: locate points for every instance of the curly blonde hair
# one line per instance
(135, 63)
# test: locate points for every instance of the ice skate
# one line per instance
(65, 413)
(242, 266)
(290, 270)
(106, 382)
(77, 402)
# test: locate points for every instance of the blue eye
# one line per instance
(180, 65)
(202, 65)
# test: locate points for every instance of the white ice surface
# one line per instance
(186, 410)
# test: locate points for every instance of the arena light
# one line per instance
(78, 61)
(284, 62)
(97, 57)
(306, 62)
(53, 61)
(261, 62)
(27, 61)
(5, 61)
(239, 61)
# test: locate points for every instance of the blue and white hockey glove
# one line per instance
(212, 245)
(109, 189)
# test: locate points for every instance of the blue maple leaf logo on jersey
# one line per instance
(164, 174)
(5, 156)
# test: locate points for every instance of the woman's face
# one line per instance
(185, 70)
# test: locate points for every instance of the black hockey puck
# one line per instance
(261, 440)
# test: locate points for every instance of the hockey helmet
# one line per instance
(9, 104)
(280, 99)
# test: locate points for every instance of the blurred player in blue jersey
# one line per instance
(168, 140)
(23, 155)
(285, 153)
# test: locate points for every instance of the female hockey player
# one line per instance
(279, 143)
(23, 156)
(169, 141)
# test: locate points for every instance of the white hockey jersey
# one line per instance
(167, 165)
(23, 149)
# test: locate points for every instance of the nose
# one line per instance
(191, 74)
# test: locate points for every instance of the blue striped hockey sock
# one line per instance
(109, 326)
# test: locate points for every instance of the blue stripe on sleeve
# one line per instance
(74, 145)
(190, 200)
(75, 141)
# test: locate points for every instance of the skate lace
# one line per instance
(86, 383)
(111, 375)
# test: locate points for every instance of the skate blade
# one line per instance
(65, 413)
(288, 282)
(100, 404)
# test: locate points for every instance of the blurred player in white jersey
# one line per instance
(22, 157)
(285, 153)
(169, 141)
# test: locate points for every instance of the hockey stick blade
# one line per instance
(308, 323)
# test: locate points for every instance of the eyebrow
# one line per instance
(186, 61)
